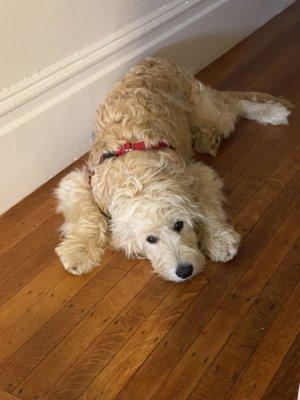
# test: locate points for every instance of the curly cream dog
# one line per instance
(157, 203)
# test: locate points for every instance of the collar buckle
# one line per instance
(128, 147)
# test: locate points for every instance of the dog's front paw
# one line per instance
(75, 260)
(223, 245)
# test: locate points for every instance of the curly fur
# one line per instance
(145, 193)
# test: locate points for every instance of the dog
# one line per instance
(141, 190)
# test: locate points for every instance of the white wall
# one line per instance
(38, 33)
(59, 58)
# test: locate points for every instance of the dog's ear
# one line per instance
(84, 231)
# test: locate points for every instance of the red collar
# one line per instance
(138, 146)
(129, 146)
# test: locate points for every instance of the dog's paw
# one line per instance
(207, 142)
(74, 260)
(223, 246)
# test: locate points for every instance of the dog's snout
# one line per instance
(184, 270)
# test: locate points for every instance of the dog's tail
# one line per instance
(259, 97)
(264, 108)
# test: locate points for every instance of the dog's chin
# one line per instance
(176, 279)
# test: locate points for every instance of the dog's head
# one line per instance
(162, 232)
(157, 221)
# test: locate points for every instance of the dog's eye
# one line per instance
(152, 239)
(178, 226)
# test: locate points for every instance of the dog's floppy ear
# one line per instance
(84, 231)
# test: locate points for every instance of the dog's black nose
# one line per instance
(184, 270)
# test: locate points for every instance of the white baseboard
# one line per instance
(47, 119)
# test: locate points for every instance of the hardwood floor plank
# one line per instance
(260, 179)
(10, 237)
(240, 55)
(270, 352)
(29, 295)
(267, 64)
(108, 343)
(285, 383)
(227, 366)
(260, 202)
(275, 74)
(213, 337)
(8, 396)
(15, 368)
(10, 261)
(245, 137)
(243, 168)
(16, 215)
(41, 312)
(111, 379)
(29, 269)
(77, 341)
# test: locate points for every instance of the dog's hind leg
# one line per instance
(84, 229)
(215, 113)
(213, 117)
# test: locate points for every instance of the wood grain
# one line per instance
(80, 338)
(241, 345)
(72, 311)
(285, 383)
(269, 353)
(8, 396)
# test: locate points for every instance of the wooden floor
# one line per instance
(122, 333)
